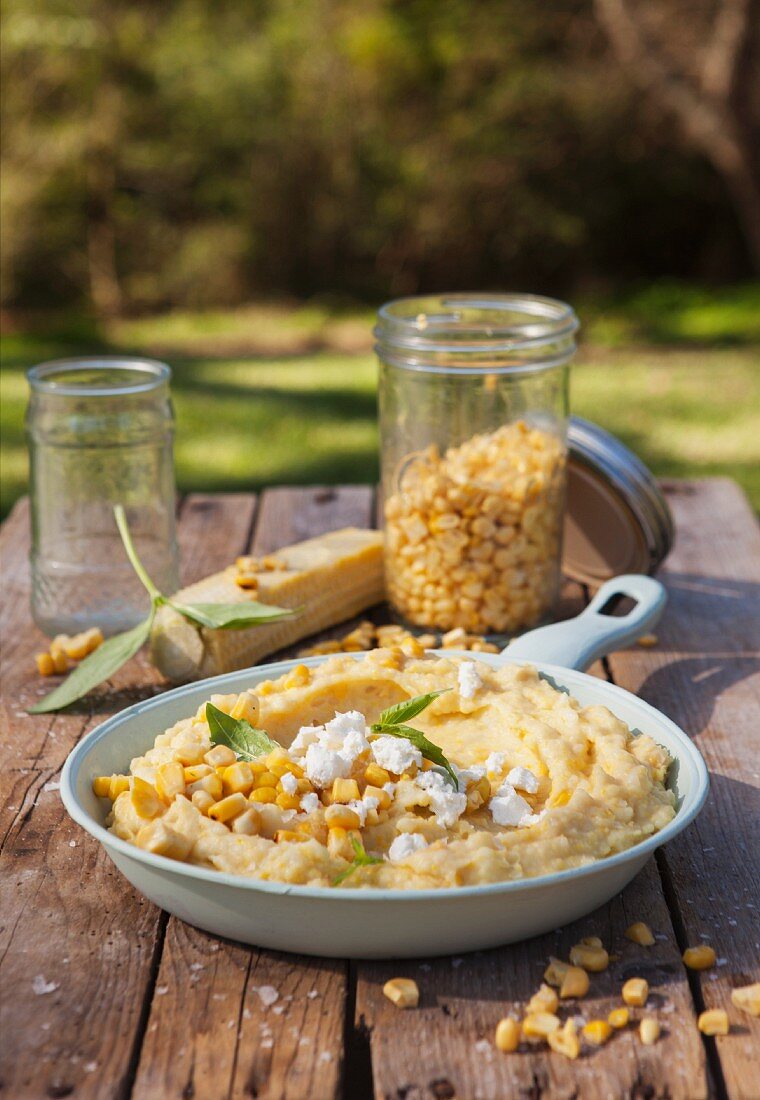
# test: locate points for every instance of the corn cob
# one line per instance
(331, 577)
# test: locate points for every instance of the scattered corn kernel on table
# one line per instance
(106, 996)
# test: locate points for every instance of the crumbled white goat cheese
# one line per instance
(362, 806)
(468, 775)
(508, 807)
(395, 754)
(469, 679)
(310, 802)
(406, 844)
(523, 779)
(307, 735)
(267, 994)
(495, 762)
(289, 783)
(323, 766)
(446, 804)
(342, 725)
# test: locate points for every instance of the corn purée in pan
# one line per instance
(396, 770)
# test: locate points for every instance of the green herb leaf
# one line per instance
(361, 859)
(101, 663)
(232, 616)
(245, 740)
(410, 708)
(419, 740)
(137, 565)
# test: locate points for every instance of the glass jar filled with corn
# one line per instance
(473, 416)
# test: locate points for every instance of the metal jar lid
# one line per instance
(617, 519)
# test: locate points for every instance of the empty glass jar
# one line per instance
(473, 418)
(100, 433)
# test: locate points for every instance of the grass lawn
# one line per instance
(274, 394)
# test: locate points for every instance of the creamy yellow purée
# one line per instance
(600, 789)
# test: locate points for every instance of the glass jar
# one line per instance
(100, 433)
(473, 419)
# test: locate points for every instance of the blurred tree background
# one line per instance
(205, 154)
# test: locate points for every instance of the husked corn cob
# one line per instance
(331, 577)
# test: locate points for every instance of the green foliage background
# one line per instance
(201, 152)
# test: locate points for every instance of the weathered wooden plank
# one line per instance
(70, 918)
(455, 1028)
(213, 992)
(445, 1048)
(705, 674)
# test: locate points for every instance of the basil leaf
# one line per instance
(232, 616)
(361, 859)
(419, 740)
(245, 740)
(410, 708)
(93, 670)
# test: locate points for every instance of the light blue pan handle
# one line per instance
(578, 642)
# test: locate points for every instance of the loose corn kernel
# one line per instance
(60, 660)
(211, 784)
(220, 769)
(197, 771)
(202, 801)
(258, 767)
(246, 707)
(648, 640)
(247, 580)
(555, 971)
(649, 1031)
(266, 687)
(78, 647)
(45, 664)
(590, 958)
(537, 1025)
(299, 676)
(279, 770)
(640, 933)
(403, 992)
(283, 835)
(228, 808)
(376, 775)
(277, 756)
(507, 1036)
(220, 756)
(747, 998)
(170, 780)
(238, 778)
(190, 754)
(295, 769)
(545, 1000)
(336, 841)
(383, 798)
(597, 1032)
(713, 1022)
(117, 786)
(565, 1041)
(159, 839)
(574, 983)
(342, 817)
(265, 795)
(592, 941)
(265, 779)
(345, 790)
(618, 1018)
(101, 785)
(635, 992)
(248, 823)
(304, 786)
(288, 801)
(145, 801)
(699, 958)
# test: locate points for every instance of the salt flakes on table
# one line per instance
(40, 987)
(267, 994)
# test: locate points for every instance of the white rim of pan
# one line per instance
(685, 813)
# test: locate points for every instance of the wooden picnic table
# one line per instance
(145, 1006)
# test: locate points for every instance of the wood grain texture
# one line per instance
(705, 674)
(233, 1044)
(69, 918)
